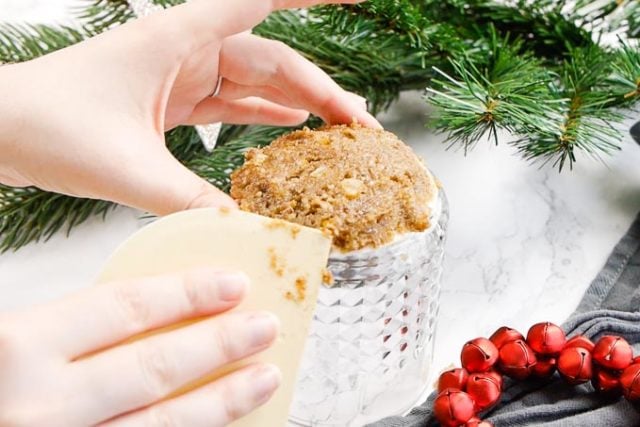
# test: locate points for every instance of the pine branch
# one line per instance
(589, 121)
(552, 114)
(541, 23)
(625, 76)
(401, 18)
(30, 215)
(20, 43)
(101, 15)
(610, 15)
(511, 91)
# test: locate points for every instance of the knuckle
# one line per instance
(197, 295)
(157, 371)
(131, 306)
(223, 344)
(161, 416)
(199, 198)
(284, 56)
(229, 404)
(328, 102)
(279, 47)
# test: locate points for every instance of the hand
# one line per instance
(43, 381)
(89, 120)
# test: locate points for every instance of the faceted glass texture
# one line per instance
(371, 341)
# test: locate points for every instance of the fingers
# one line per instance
(138, 374)
(163, 185)
(231, 91)
(108, 314)
(210, 20)
(246, 111)
(253, 61)
(215, 405)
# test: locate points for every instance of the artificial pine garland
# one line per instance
(539, 69)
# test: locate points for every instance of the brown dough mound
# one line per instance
(361, 186)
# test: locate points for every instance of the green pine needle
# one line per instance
(625, 75)
(509, 90)
(19, 43)
(589, 121)
(30, 215)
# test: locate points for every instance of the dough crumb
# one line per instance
(301, 290)
(294, 229)
(327, 277)
(276, 263)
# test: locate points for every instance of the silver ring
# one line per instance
(218, 88)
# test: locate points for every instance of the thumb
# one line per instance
(166, 186)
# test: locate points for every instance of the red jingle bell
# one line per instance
(477, 422)
(544, 368)
(546, 339)
(613, 352)
(496, 376)
(606, 382)
(630, 382)
(453, 408)
(505, 335)
(517, 359)
(454, 378)
(635, 360)
(574, 364)
(479, 355)
(580, 341)
(484, 390)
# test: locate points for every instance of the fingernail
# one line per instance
(232, 286)
(373, 123)
(265, 381)
(362, 102)
(263, 329)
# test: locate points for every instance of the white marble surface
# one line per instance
(524, 242)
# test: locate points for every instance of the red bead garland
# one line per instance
(484, 389)
(477, 386)
(453, 407)
(455, 378)
(580, 341)
(516, 360)
(575, 365)
(613, 353)
(479, 355)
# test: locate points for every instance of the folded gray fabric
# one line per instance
(611, 305)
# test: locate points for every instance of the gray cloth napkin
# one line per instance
(611, 305)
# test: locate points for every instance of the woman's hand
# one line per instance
(45, 382)
(89, 120)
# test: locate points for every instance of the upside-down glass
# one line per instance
(371, 341)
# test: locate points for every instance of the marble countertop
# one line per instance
(524, 242)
